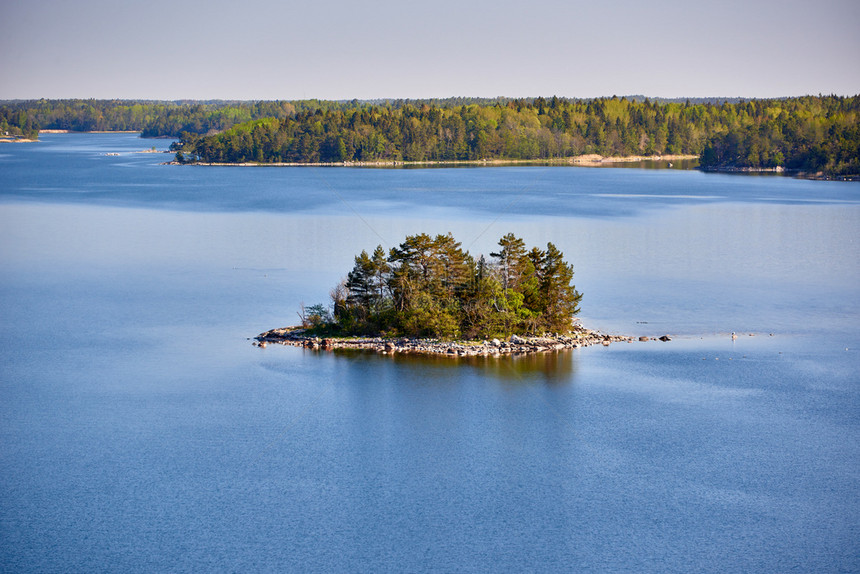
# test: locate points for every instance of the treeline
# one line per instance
(812, 133)
(170, 119)
(431, 287)
(18, 124)
(152, 119)
(518, 129)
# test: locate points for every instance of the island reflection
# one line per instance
(557, 367)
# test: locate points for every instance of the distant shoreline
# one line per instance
(14, 139)
(89, 132)
(589, 160)
(779, 170)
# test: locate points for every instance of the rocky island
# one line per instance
(428, 296)
(516, 345)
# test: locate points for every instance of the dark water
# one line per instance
(140, 430)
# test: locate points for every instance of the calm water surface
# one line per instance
(140, 431)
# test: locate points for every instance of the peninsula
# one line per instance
(808, 136)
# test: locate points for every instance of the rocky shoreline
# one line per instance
(515, 345)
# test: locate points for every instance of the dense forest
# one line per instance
(430, 287)
(811, 134)
(17, 124)
(152, 119)
(170, 119)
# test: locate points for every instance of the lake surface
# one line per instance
(141, 431)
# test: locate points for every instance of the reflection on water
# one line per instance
(682, 164)
(552, 367)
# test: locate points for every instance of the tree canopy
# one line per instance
(810, 133)
(430, 287)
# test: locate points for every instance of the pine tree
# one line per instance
(560, 298)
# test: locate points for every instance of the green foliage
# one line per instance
(804, 133)
(315, 316)
(812, 135)
(17, 124)
(429, 287)
(152, 119)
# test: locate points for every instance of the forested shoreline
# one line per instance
(810, 134)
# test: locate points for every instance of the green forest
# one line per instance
(810, 134)
(165, 119)
(152, 119)
(430, 287)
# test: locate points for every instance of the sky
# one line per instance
(344, 49)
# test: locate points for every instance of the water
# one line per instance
(140, 430)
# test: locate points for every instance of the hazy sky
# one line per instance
(262, 49)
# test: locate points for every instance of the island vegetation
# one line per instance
(814, 135)
(430, 287)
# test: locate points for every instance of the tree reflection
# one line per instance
(557, 367)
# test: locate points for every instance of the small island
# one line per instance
(429, 296)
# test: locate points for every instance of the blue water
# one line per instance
(141, 431)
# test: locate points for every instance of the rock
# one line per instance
(516, 345)
(643, 339)
(665, 338)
